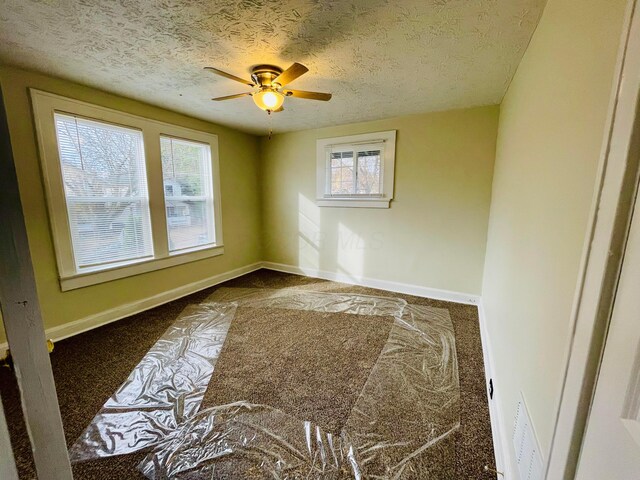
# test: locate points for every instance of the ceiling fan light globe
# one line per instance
(268, 100)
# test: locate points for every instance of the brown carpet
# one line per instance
(89, 367)
(311, 365)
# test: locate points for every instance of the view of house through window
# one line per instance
(105, 187)
(188, 193)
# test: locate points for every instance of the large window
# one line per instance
(105, 186)
(126, 195)
(356, 171)
(188, 193)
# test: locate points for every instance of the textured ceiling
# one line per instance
(379, 58)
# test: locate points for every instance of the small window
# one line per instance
(188, 193)
(356, 171)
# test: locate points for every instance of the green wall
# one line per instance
(433, 235)
(552, 127)
(240, 188)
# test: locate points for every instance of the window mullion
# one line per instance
(381, 166)
(355, 172)
(328, 170)
(155, 186)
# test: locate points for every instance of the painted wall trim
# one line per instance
(8, 468)
(434, 293)
(504, 461)
(602, 255)
(117, 313)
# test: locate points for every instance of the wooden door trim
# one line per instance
(602, 254)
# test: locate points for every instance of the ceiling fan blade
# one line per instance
(290, 74)
(229, 97)
(228, 75)
(325, 97)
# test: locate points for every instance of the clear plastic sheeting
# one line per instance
(400, 426)
(242, 440)
(309, 300)
(164, 389)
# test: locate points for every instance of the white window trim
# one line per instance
(356, 200)
(44, 106)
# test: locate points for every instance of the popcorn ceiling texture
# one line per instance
(379, 58)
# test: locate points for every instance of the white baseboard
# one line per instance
(501, 449)
(406, 288)
(102, 318)
(121, 311)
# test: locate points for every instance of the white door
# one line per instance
(611, 446)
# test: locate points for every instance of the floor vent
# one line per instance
(528, 457)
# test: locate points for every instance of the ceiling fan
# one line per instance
(268, 82)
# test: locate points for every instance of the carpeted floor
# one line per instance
(89, 367)
(286, 360)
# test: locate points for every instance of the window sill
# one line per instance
(372, 202)
(95, 277)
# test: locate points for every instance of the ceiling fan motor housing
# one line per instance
(264, 75)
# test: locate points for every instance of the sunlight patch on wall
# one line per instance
(351, 249)
(309, 235)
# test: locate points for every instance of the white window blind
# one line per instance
(354, 171)
(368, 173)
(342, 173)
(103, 172)
(188, 193)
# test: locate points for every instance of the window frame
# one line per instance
(44, 106)
(142, 198)
(356, 144)
(210, 199)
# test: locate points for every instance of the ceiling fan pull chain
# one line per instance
(270, 126)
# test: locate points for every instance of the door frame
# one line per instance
(603, 251)
(20, 312)
(7, 461)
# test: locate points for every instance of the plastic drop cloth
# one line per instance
(163, 390)
(400, 426)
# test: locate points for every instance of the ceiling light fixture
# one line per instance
(268, 99)
(268, 82)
